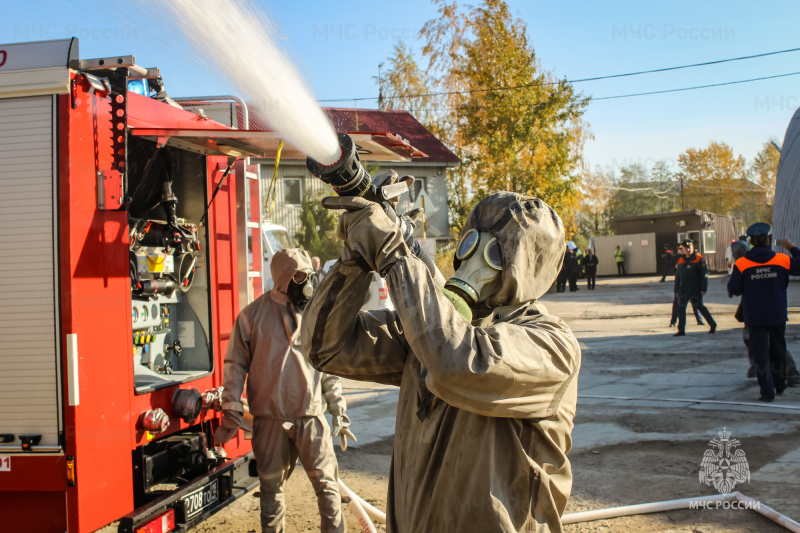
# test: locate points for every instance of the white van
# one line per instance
(378, 294)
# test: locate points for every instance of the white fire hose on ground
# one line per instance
(365, 512)
(370, 510)
(357, 507)
(603, 514)
(686, 503)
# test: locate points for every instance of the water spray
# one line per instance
(235, 38)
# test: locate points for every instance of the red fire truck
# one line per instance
(129, 228)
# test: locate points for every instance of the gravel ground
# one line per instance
(626, 451)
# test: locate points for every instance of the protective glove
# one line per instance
(231, 422)
(407, 224)
(390, 177)
(341, 428)
(368, 233)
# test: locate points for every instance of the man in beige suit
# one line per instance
(286, 396)
(486, 403)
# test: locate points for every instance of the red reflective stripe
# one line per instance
(781, 260)
(697, 259)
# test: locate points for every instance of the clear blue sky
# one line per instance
(338, 45)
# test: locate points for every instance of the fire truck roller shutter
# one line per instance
(29, 374)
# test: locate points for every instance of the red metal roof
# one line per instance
(397, 123)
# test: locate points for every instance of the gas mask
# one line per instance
(480, 273)
(300, 289)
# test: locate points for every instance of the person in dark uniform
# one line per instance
(581, 257)
(695, 312)
(668, 259)
(591, 269)
(561, 280)
(572, 270)
(691, 283)
(761, 278)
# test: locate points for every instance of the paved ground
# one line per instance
(649, 403)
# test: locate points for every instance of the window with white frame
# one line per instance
(693, 235)
(709, 242)
(293, 191)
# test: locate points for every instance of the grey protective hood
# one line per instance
(531, 238)
(284, 265)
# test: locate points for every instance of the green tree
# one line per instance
(635, 173)
(765, 169)
(597, 200)
(404, 87)
(638, 191)
(525, 134)
(513, 124)
(632, 192)
(713, 178)
(661, 173)
(317, 234)
(669, 189)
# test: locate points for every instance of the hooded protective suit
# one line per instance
(286, 396)
(485, 408)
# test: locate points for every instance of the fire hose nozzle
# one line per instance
(347, 176)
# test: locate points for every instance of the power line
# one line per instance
(695, 87)
(753, 187)
(579, 80)
(616, 188)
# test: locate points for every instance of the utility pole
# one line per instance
(380, 87)
(681, 178)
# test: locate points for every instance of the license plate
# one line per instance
(196, 501)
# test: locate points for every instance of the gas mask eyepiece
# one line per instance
(479, 274)
(468, 245)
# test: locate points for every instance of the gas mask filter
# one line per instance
(300, 289)
(480, 273)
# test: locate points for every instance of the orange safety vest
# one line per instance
(780, 260)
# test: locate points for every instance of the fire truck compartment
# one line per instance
(170, 300)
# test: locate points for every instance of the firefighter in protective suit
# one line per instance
(286, 396)
(486, 406)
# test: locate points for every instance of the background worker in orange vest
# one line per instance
(691, 283)
(761, 277)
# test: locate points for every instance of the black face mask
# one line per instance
(299, 294)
